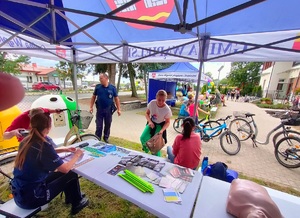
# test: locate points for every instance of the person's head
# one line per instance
(40, 126)
(103, 77)
(35, 111)
(190, 96)
(161, 97)
(188, 127)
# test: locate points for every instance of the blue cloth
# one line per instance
(183, 112)
(37, 164)
(171, 156)
(105, 96)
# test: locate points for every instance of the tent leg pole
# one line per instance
(75, 77)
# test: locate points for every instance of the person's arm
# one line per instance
(67, 166)
(10, 134)
(175, 147)
(117, 101)
(203, 111)
(93, 99)
(147, 115)
(65, 149)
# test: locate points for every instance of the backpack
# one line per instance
(217, 171)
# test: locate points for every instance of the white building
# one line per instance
(279, 80)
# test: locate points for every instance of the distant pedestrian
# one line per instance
(228, 95)
(232, 94)
(237, 95)
(158, 115)
(106, 94)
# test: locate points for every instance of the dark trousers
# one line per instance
(103, 116)
(40, 194)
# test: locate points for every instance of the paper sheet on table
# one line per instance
(84, 159)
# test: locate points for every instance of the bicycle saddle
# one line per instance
(249, 114)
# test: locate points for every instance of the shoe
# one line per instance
(82, 204)
(106, 140)
(68, 201)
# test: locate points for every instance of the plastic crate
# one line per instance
(85, 118)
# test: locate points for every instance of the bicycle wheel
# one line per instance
(241, 128)
(86, 137)
(230, 143)
(283, 134)
(287, 152)
(177, 124)
(213, 124)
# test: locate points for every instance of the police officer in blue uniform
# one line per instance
(40, 174)
(106, 97)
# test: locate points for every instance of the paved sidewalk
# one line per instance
(257, 162)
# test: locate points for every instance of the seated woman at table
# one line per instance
(158, 116)
(186, 148)
(40, 174)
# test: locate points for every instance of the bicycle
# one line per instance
(177, 124)
(287, 152)
(229, 142)
(82, 119)
(243, 126)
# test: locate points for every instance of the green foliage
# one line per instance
(245, 75)
(209, 74)
(65, 70)
(213, 89)
(12, 64)
(204, 89)
(225, 91)
(259, 91)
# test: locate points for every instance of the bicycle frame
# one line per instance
(254, 135)
(216, 129)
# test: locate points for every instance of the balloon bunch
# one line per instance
(210, 83)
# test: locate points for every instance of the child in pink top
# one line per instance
(186, 148)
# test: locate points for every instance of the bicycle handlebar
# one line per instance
(224, 119)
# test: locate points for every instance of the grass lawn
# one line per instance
(105, 204)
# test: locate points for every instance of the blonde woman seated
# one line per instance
(186, 150)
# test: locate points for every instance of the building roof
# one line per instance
(39, 70)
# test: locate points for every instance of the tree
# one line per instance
(245, 75)
(209, 74)
(65, 70)
(12, 63)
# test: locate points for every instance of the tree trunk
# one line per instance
(131, 78)
(112, 73)
(146, 84)
(119, 78)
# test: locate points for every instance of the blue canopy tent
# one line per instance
(110, 31)
(167, 78)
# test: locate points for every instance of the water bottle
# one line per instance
(204, 163)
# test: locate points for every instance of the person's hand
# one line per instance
(91, 110)
(119, 112)
(71, 149)
(151, 124)
(78, 153)
(160, 132)
(17, 133)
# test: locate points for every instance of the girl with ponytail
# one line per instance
(186, 149)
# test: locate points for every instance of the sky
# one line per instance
(212, 67)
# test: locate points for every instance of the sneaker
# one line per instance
(82, 204)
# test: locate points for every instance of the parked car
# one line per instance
(43, 86)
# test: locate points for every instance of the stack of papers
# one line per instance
(170, 195)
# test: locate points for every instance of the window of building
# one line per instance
(279, 86)
(29, 79)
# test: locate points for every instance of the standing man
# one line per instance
(106, 93)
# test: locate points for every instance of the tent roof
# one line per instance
(110, 31)
(182, 71)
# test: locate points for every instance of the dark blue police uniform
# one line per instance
(104, 103)
(36, 184)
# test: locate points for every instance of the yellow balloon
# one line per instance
(212, 83)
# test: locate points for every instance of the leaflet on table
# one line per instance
(171, 195)
(84, 159)
(170, 182)
(139, 160)
(182, 173)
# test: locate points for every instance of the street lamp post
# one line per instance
(219, 74)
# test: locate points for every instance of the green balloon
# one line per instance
(201, 102)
